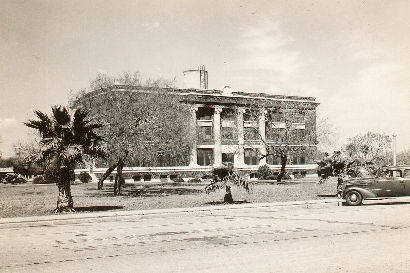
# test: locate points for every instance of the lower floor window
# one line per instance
(205, 157)
(251, 157)
(227, 158)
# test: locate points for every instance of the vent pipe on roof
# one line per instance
(227, 90)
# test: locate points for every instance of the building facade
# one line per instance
(239, 129)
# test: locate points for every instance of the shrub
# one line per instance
(85, 177)
(222, 172)
(274, 176)
(176, 178)
(39, 179)
(207, 176)
(195, 180)
(136, 178)
(264, 172)
(14, 178)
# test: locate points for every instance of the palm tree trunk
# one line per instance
(228, 195)
(65, 200)
(283, 159)
(119, 180)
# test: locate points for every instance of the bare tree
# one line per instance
(370, 150)
(142, 125)
(403, 158)
(290, 130)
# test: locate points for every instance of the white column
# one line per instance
(217, 137)
(240, 157)
(94, 178)
(262, 132)
(193, 160)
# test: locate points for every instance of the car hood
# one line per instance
(360, 180)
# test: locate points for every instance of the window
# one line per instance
(227, 133)
(298, 117)
(163, 178)
(251, 157)
(276, 116)
(273, 160)
(228, 114)
(276, 134)
(147, 177)
(136, 178)
(299, 134)
(251, 133)
(227, 158)
(205, 157)
(205, 133)
(294, 160)
(302, 160)
(250, 115)
(406, 173)
(204, 113)
(395, 173)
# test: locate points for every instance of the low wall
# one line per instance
(164, 174)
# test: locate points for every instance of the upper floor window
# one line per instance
(251, 133)
(276, 115)
(204, 113)
(205, 133)
(228, 114)
(250, 115)
(227, 133)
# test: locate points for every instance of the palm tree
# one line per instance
(65, 140)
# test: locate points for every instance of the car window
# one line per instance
(395, 174)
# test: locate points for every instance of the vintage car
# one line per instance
(394, 182)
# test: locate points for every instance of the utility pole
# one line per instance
(394, 150)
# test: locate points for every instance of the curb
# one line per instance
(113, 214)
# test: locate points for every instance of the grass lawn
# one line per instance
(29, 199)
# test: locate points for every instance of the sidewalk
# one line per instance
(91, 215)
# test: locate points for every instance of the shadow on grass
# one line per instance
(327, 195)
(97, 208)
(387, 203)
(145, 191)
(223, 203)
(164, 191)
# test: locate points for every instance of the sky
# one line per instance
(353, 56)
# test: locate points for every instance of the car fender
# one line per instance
(364, 192)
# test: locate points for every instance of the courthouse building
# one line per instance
(235, 128)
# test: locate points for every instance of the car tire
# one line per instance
(354, 198)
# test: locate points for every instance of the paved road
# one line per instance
(281, 237)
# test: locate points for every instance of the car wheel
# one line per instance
(354, 198)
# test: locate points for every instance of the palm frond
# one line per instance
(96, 151)
(66, 139)
(71, 153)
(43, 125)
(61, 115)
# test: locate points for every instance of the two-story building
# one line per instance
(238, 128)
